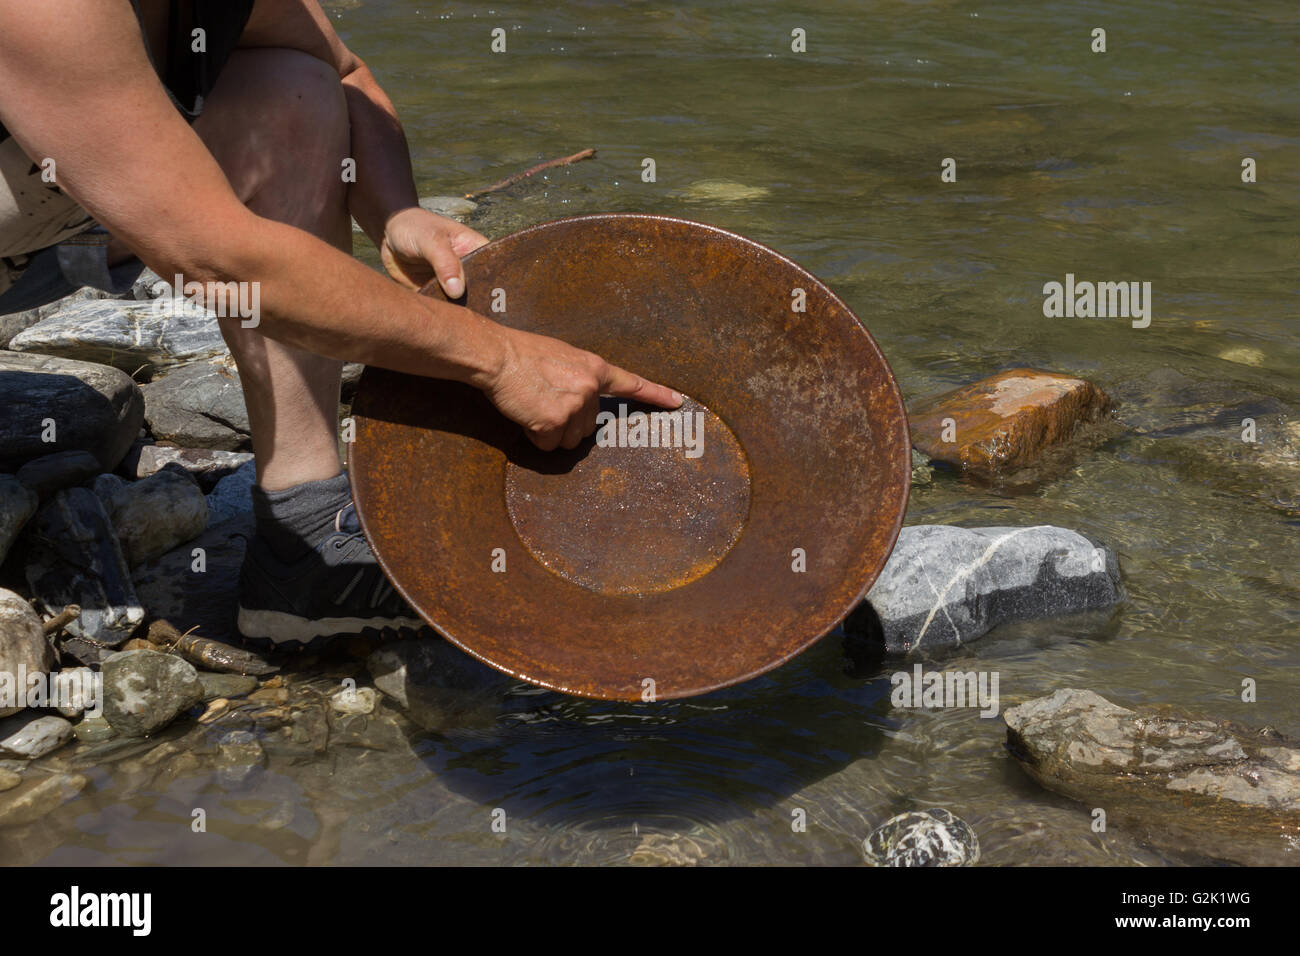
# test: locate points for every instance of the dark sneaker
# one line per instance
(336, 589)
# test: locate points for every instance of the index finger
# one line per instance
(623, 384)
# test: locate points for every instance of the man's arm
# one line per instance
(414, 244)
(76, 86)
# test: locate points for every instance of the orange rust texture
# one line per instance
(1004, 422)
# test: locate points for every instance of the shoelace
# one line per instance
(347, 523)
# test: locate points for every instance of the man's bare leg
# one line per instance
(277, 123)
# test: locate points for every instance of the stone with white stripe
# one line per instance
(944, 586)
(136, 337)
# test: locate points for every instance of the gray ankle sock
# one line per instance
(294, 519)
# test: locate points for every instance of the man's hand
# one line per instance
(418, 245)
(553, 390)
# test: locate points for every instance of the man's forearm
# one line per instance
(384, 183)
(340, 308)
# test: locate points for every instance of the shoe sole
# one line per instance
(280, 628)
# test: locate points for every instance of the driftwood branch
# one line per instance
(517, 177)
(62, 619)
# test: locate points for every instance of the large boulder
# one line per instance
(144, 691)
(136, 337)
(944, 586)
(11, 323)
(76, 559)
(1229, 783)
(17, 505)
(54, 404)
(23, 650)
(199, 406)
(1006, 421)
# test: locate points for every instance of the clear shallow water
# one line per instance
(1116, 166)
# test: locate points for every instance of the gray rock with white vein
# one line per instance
(944, 586)
(126, 333)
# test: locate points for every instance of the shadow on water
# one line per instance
(567, 762)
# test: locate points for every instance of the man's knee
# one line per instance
(277, 112)
(310, 98)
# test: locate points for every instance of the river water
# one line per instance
(1123, 165)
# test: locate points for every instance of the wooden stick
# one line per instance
(63, 619)
(549, 164)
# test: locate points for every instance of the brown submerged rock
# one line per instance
(1006, 421)
(1213, 786)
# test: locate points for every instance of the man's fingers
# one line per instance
(582, 424)
(446, 265)
(548, 440)
(466, 241)
(623, 384)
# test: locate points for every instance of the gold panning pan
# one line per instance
(621, 570)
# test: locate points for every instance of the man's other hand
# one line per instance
(419, 245)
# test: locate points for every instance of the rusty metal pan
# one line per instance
(631, 573)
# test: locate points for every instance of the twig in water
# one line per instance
(549, 164)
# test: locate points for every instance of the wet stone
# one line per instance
(1078, 743)
(39, 797)
(92, 730)
(358, 700)
(226, 685)
(239, 755)
(23, 650)
(934, 837)
(74, 687)
(436, 684)
(29, 735)
(1006, 421)
(76, 559)
(453, 207)
(944, 586)
(9, 780)
(144, 691)
(922, 473)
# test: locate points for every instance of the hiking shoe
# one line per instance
(336, 589)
